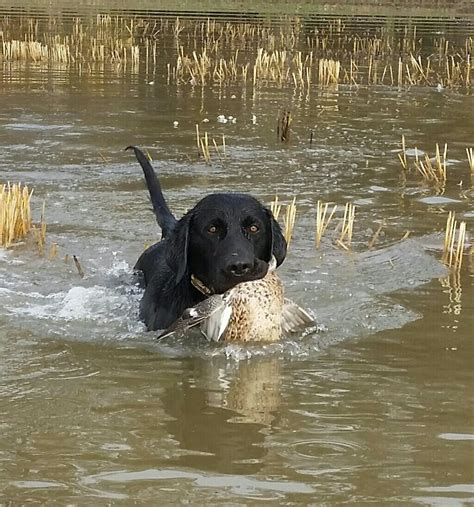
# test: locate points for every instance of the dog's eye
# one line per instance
(254, 228)
(212, 229)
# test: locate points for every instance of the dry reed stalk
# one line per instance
(417, 69)
(453, 248)
(468, 70)
(217, 150)
(450, 252)
(53, 251)
(102, 157)
(345, 239)
(435, 174)
(289, 221)
(376, 235)
(403, 155)
(113, 39)
(178, 28)
(470, 158)
(204, 144)
(329, 71)
(460, 246)
(15, 213)
(275, 207)
(198, 140)
(40, 231)
(321, 222)
(283, 126)
(417, 157)
(135, 55)
(78, 266)
(449, 236)
(391, 74)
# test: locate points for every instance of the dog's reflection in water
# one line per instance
(252, 391)
(219, 410)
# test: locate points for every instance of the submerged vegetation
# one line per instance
(261, 53)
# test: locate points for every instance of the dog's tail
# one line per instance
(164, 217)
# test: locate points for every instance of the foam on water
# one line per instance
(78, 303)
(102, 308)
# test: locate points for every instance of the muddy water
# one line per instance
(376, 408)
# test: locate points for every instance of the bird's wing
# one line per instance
(195, 315)
(293, 317)
(214, 327)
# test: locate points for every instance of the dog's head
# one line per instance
(224, 240)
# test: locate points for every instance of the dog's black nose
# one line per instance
(239, 268)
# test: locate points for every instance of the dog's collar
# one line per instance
(197, 284)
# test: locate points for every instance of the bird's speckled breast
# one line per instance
(256, 311)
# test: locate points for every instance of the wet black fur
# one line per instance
(224, 240)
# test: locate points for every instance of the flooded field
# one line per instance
(376, 407)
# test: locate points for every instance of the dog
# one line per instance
(225, 239)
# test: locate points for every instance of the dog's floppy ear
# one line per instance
(277, 240)
(177, 250)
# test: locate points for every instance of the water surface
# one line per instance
(378, 408)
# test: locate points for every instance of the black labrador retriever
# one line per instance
(224, 240)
